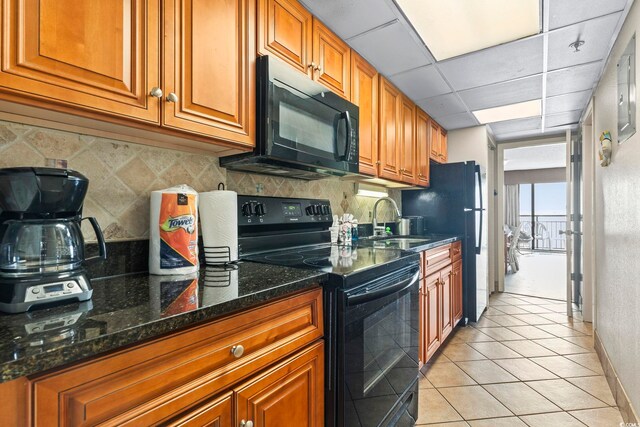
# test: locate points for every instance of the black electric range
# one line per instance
(371, 308)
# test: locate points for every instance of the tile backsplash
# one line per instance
(121, 176)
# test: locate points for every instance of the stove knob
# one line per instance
(247, 209)
(260, 209)
(326, 210)
(309, 210)
(317, 210)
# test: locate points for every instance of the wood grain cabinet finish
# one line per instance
(332, 60)
(436, 137)
(216, 413)
(209, 65)
(456, 289)
(389, 123)
(422, 148)
(444, 149)
(432, 303)
(285, 30)
(364, 93)
(155, 382)
(446, 313)
(408, 172)
(93, 55)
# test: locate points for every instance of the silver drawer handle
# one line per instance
(244, 423)
(238, 351)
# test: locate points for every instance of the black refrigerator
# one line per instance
(454, 205)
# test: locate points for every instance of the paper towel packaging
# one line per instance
(219, 222)
(173, 237)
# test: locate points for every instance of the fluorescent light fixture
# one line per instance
(368, 190)
(509, 112)
(453, 27)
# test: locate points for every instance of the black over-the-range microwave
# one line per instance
(304, 130)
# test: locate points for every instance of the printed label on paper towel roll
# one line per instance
(178, 241)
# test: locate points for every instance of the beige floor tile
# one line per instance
(507, 320)
(438, 357)
(469, 334)
(533, 319)
(447, 375)
(563, 367)
(501, 334)
(520, 398)
(606, 417)
(423, 382)
(560, 330)
(535, 309)
(584, 327)
(485, 322)
(474, 402)
(512, 309)
(451, 424)
(555, 419)
(461, 352)
(557, 317)
(494, 350)
(588, 360)
(493, 311)
(525, 369)
(498, 422)
(561, 346)
(566, 395)
(528, 348)
(486, 372)
(583, 341)
(433, 408)
(530, 332)
(595, 386)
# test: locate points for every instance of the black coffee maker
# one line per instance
(41, 244)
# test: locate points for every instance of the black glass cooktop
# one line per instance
(341, 260)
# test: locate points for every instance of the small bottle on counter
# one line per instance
(354, 230)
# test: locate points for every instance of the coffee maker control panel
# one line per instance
(76, 286)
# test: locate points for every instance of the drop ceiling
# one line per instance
(542, 66)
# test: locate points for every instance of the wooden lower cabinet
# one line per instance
(456, 289)
(446, 314)
(216, 413)
(432, 314)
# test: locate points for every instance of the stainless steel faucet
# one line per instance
(379, 231)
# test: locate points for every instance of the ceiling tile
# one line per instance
(391, 49)
(596, 34)
(457, 121)
(567, 12)
(562, 119)
(567, 102)
(507, 126)
(527, 134)
(443, 105)
(339, 15)
(497, 64)
(573, 79)
(420, 83)
(505, 93)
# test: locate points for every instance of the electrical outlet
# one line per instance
(259, 188)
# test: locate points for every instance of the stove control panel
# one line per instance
(257, 210)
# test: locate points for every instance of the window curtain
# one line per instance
(512, 205)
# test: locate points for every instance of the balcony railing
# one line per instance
(546, 234)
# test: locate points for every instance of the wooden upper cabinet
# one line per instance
(407, 141)
(331, 60)
(389, 124)
(209, 66)
(443, 146)
(91, 55)
(422, 147)
(364, 93)
(434, 130)
(285, 30)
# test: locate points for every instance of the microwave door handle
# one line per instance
(347, 145)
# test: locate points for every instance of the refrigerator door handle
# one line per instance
(479, 175)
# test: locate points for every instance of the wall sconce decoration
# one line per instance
(605, 148)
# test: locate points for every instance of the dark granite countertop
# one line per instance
(409, 243)
(128, 309)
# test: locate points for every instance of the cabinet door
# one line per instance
(90, 55)
(364, 93)
(285, 30)
(432, 315)
(291, 393)
(408, 141)
(389, 122)
(218, 413)
(332, 58)
(422, 323)
(446, 314)
(209, 65)
(456, 284)
(436, 136)
(422, 147)
(443, 146)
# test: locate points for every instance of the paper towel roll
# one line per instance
(219, 222)
(173, 233)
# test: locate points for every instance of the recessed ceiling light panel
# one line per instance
(453, 27)
(509, 112)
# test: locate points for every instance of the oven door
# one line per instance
(380, 341)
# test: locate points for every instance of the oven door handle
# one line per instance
(380, 293)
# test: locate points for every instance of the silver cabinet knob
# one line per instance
(172, 97)
(318, 69)
(247, 423)
(156, 92)
(237, 351)
(313, 65)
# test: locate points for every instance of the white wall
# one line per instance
(617, 205)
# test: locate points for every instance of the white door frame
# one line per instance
(589, 158)
(500, 256)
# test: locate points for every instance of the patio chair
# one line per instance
(526, 237)
(512, 252)
(541, 233)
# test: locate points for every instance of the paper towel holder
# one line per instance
(217, 255)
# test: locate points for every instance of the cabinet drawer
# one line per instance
(437, 258)
(145, 384)
(456, 251)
